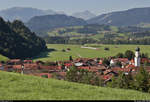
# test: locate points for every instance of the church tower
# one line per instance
(137, 59)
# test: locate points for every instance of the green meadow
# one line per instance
(15, 86)
(77, 51)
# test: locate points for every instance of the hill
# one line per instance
(22, 87)
(101, 34)
(23, 13)
(84, 15)
(17, 41)
(45, 23)
(129, 17)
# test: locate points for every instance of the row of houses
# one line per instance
(60, 68)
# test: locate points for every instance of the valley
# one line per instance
(48, 54)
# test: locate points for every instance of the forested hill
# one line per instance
(49, 22)
(17, 41)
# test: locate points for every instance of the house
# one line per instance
(31, 66)
(1, 67)
(14, 61)
(8, 68)
(50, 67)
(144, 60)
(28, 61)
(67, 65)
(84, 67)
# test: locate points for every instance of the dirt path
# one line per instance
(89, 48)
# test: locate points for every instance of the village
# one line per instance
(60, 68)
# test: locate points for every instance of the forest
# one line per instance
(17, 41)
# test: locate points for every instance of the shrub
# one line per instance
(120, 55)
(141, 81)
(106, 48)
(44, 76)
(63, 50)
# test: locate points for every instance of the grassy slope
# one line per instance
(22, 87)
(3, 58)
(88, 53)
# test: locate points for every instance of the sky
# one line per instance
(71, 6)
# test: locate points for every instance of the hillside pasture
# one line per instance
(24, 87)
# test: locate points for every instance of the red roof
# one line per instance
(100, 62)
(130, 66)
(105, 77)
(68, 64)
(122, 69)
(122, 59)
(26, 61)
(107, 71)
(31, 66)
(84, 68)
(93, 70)
(14, 60)
(51, 67)
(16, 66)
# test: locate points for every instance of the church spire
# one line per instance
(137, 59)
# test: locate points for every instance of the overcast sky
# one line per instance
(70, 6)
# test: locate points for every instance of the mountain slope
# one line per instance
(49, 22)
(124, 18)
(22, 87)
(84, 15)
(23, 13)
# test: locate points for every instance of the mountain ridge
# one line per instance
(24, 13)
(48, 22)
(84, 15)
(128, 17)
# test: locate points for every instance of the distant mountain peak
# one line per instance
(24, 13)
(84, 15)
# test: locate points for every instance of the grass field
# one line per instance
(23, 87)
(77, 51)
